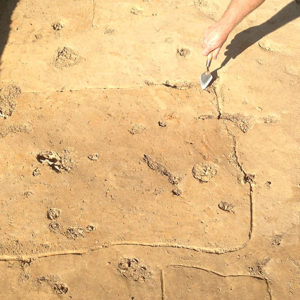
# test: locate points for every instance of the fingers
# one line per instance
(208, 48)
(206, 51)
(216, 52)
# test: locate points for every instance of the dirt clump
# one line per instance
(5, 131)
(177, 191)
(131, 268)
(244, 123)
(54, 227)
(205, 117)
(60, 288)
(90, 228)
(57, 26)
(54, 282)
(53, 213)
(136, 11)
(179, 85)
(27, 194)
(276, 240)
(226, 206)
(183, 52)
(74, 232)
(66, 58)
(57, 161)
(36, 172)
(162, 123)
(8, 96)
(93, 157)
(204, 172)
(137, 128)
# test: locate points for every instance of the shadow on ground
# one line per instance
(250, 36)
(6, 9)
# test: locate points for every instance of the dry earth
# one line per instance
(121, 179)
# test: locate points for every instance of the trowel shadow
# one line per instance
(250, 36)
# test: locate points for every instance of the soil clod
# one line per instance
(54, 227)
(36, 171)
(74, 232)
(57, 26)
(204, 172)
(66, 57)
(226, 206)
(93, 157)
(137, 128)
(90, 228)
(60, 288)
(131, 269)
(8, 96)
(58, 162)
(177, 191)
(183, 52)
(53, 213)
(162, 123)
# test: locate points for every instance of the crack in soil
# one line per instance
(230, 275)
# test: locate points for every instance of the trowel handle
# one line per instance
(209, 59)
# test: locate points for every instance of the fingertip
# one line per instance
(205, 52)
(216, 53)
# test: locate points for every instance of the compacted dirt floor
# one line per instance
(121, 179)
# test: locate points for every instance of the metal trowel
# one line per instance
(206, 78)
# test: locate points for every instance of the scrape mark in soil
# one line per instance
(152, 164)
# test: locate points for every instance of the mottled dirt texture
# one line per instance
(122, 179)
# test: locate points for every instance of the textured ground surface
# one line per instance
(121, 179)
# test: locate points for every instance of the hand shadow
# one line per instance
(250, 36)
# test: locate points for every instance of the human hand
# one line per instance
(214, 38)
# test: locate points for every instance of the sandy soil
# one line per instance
(121, 179)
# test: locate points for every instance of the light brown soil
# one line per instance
(122, 179)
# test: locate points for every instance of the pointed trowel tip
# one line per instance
(205, 80)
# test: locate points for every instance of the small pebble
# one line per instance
(57, 26)
(54, 227)
(177, 192)
(93, 157)
(90, 228)
(162, 124)
(183, 52)
(36, 172)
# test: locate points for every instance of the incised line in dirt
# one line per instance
(224, 276)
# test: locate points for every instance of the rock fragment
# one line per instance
(57, 161)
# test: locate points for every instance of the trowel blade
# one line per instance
(205, 80)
